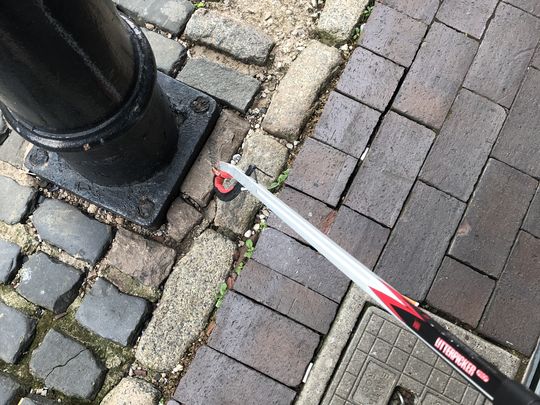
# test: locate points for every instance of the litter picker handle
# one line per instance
(493, 384)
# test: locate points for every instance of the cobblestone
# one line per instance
(270, 157)
(182, 218)
(314, 211)
(286, 296)
(111, 314)
(215, 379)
(335, 26)
(10, 390)
(16, 333)
(390, 168)
(418, 9)
(532, 220)
(517, 144)
(461, 149)
(300, 263)
(263, 339)
(143, 259)
(48, 283)
(346, 124)
(15, 200)
(436, 75)
(419, 241)
(493, 217)
(504, 54)
(188, 299)
(468, 17)
(13, 150)
(226, 138)
(321, 171)
(460, 291)
(67, 228)
(9, 260)
(132, 391)
(530, 6)
(229, 86)
(298, 91)
(67, 366)
(36, 400)
(358, 235)
(236, 38)
(370, 79)
(169, 54)
(509, 319)
(169, 15)
(393, 35)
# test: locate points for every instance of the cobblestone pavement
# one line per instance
(423, 164)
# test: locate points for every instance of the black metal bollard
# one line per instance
(79, 81)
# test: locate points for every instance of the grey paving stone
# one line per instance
(532, 220)
(169, 15)
(460, 291)
(15, 200)
(169, 54)
(143, 259)
(335, 27)
(225, 140)
(16, 333)
(111, 314)
(419, 9)
(188, 300)
(389, 170)
(13, 150)
(508, 318)
(358, 235)
(236, 38)
(346, 124)
(9, 260)
(286, 296)
(300, 263)
(493, 217)
(536, 59)
(48, 283)
(66, 227)
(419, 241)
(431, 382)
(531, 6)
(314, 211)
(461, 149)
(392, 34)
(470, 17)
(504, 55)
(36, 400)
(182, 218)
(10, 390)
(215, 379)
(263, 339)
(436, 75)
(295, 98)
(132, 391)
(370, 79)
(518, 144)
(321, 171)
(232, 88)
(67, 366)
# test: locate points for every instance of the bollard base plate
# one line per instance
(143, 203)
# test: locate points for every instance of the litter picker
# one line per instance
(493, 384)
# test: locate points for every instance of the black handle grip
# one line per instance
(512, 392)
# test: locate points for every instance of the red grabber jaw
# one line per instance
(494, 385)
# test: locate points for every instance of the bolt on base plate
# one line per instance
(143, 203)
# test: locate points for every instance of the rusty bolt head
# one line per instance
(200, 105)
(145, 208)
(38, 157)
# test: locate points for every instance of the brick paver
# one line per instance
(504, 54)
(393, 35)
(387, 174)
(510, 318)
(461, 149)
(436, 75)
(423, 10)
(470, 17)
(493, 217)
